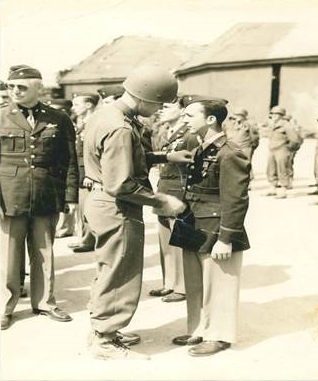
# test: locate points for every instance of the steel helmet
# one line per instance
(152, 83)
(278, 110)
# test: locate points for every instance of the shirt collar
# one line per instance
(212, 139)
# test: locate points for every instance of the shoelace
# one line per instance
(118, 344)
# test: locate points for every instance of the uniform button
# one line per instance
(32, 138)
(191, 166)
(10, 136)
(214, 214)
(32, 166)
(32, 146)
(32, 156)
(190, 177)
(189, 186)
(162, 165)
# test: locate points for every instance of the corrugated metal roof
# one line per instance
(115, 61)
(247, 42)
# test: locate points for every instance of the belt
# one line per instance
(97, 186)
(191, 196)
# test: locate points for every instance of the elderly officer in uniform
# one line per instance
(116, 162)
(39, 176)
(217, 192)
(282, 139)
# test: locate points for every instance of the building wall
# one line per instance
(69, 90)
(249, 88)
(299, 93)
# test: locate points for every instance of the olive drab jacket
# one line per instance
(115, 157)
(217, 192)
(282, 134)
(38, 166)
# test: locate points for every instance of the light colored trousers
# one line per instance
(212, 288)
(39, 234)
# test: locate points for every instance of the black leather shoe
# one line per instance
(82, 249)
(208, 348)
(6, 321)
(128, 338)
(314, 193)
(54, 314)
(160, 292)
(187, 340)
(174, 297)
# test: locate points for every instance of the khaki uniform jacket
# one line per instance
(282, 134)
(217, 190)
(38, 166)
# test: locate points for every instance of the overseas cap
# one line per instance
(23, 72)
(109, 90)
(192, 98)
(241, 111)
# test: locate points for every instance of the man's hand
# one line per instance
(182, 156)
(171, 206)
(70, 208)
(221, 250)
(88, 183)
(1, 213)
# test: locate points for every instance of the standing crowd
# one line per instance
(81, 169)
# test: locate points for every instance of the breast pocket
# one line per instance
(49, 138)
(12, 140)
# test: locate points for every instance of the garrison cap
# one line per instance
(109, 90)
(23, 72)
(60, 103)
(89, 97)
(192, 98)
(278, 110)
(241, 111)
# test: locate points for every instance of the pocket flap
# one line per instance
(12, 133)
(206, 209)
(8, 170)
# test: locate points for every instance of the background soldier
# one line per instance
(115, 161)
(281, 140)
(4, 97)
(83, 107)
(39, 176)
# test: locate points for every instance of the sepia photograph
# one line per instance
(159, 190)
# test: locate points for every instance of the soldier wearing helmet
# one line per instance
(281, 141)
(117, 164)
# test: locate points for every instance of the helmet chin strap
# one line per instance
(131, 101)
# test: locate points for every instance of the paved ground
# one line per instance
(278, 335)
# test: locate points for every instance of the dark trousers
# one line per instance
(115, 291)
(39, 234)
